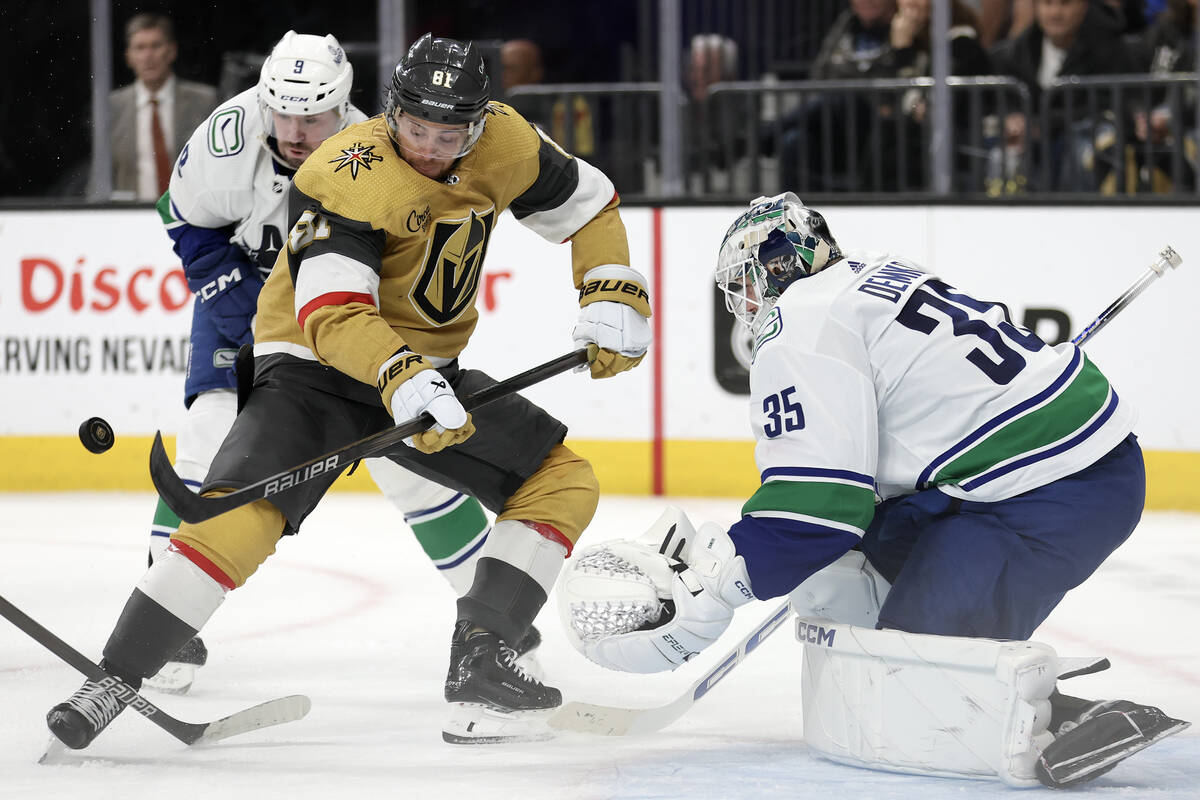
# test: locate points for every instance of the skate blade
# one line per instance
(55, 750)
(175, 677)
(472, 723)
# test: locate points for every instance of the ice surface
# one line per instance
(353, 615)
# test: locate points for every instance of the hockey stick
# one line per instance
(263, 715)
(1167, 257)
(192, 507)
(616, 721)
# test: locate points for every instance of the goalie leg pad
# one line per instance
(933, 705)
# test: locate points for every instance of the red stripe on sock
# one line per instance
(200, 560)
(552, 533)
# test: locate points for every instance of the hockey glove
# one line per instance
(409, 386)
(634, 606)
(695, 617)
(614, 317)
(226, 285)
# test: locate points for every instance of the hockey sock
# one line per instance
(165, 523)
(514, 575)
(145, 637)
(451, 534)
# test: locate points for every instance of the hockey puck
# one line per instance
(96, 435)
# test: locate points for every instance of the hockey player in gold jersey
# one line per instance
(359, 326)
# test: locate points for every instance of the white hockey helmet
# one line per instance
(775, 243)
(305, 75)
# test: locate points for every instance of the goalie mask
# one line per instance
(303, 94)
(436, 103)
(766, 249)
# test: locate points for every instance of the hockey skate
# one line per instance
(178, 674)
(492, 699)
(80, 719)
(1098, 738)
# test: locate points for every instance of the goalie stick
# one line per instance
(621, 721)
(1167, 257)
(192, 507)
(263, 715)
(618, 721)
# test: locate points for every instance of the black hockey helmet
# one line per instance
(440, 80)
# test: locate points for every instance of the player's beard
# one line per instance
(433, 168)
(295, 152)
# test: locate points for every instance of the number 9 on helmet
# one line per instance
(304, 77)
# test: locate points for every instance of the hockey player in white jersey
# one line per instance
(927, 468)
(226, 211)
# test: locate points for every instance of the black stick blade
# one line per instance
(175, 493)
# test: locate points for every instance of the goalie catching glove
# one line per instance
(650, 605)
(409, 386)
(614, 318)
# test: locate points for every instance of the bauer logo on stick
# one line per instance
(96, 435)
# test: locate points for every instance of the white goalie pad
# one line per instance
(932, 705)
(849, 590)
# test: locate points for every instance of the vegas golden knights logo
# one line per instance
(449, 278)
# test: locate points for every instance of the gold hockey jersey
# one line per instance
(379, 256)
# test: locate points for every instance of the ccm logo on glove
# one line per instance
(211, 289)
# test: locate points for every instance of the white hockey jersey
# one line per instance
(225, 176)
(873, 377)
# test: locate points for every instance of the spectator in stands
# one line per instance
(1003, 19)
(710, 58)
(857, 44)
(910, 36)
(1067, 37)
(822, 144)
(521, 65)
(874, 39)
(1167, 46)
(910, 41)
(152, 117)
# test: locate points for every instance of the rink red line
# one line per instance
(656, 389)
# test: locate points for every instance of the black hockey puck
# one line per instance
(96, 435)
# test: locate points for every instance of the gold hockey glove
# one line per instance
(614, 317)
(409, 386)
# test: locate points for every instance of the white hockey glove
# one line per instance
(614, 318)
(409, 386)
(631, 606)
